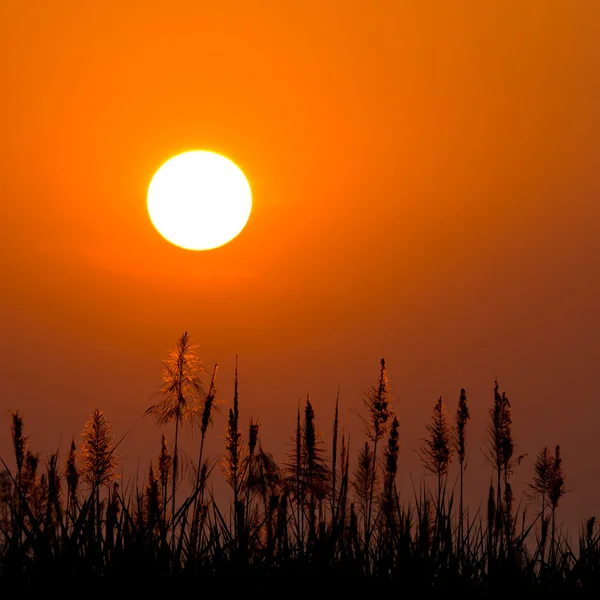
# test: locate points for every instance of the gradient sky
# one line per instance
(426, 189)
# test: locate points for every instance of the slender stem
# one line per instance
(174, 482)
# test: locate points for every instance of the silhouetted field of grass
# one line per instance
(313, 523)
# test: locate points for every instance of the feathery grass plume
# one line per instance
(460, 435)
(500, 445)
(209, 403)
(71, 473)
(293, 479)
(377, 403)
(436, 451)
(234, 456)
(509, 461)
(540, 489)
(264, 478)
(315, 471)
(19, 442)
(542, 476)
(460, 427)
(495, 433)
(20, 447)
(556, 490)
(508, 443)
(99, 460)
(97, 451)
(71, 477)
(181, 396)
(391, 453)
(207, 409)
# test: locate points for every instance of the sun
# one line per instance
(199, 200)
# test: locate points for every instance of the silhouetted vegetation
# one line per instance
(313, 516)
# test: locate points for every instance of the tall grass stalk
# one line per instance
(180, 397)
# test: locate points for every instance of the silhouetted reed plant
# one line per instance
(312, 516)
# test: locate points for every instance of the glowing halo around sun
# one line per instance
(199, 200)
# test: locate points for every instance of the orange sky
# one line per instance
(425, 180)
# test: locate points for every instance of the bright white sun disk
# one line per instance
(199, 200)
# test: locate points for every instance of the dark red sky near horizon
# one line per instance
(425, 186)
